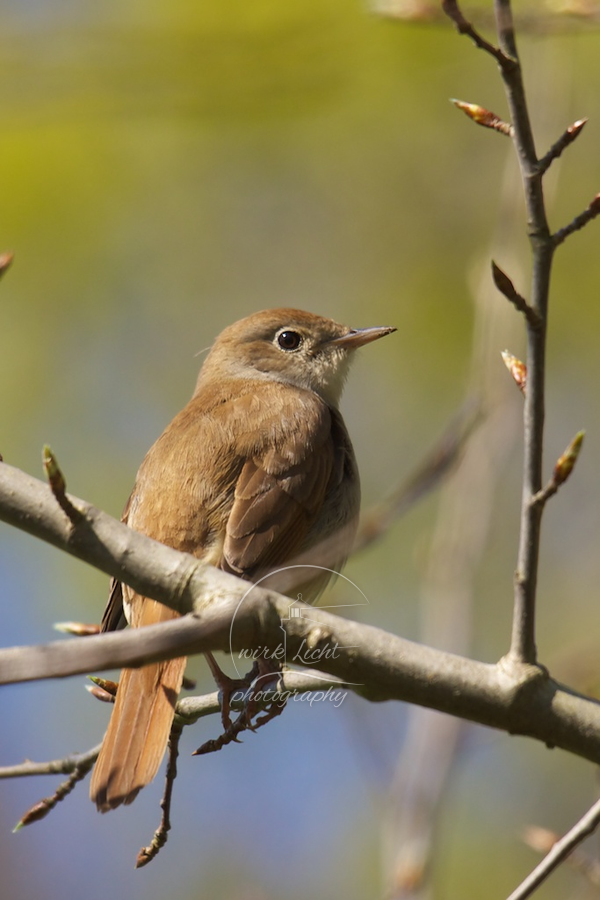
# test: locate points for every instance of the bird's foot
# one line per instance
(262, 679)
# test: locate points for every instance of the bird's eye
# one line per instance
(289, 340)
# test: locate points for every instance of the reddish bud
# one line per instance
(483, 116)
(38, 811)
(574, 129)
(517, 369)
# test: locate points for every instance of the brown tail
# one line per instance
(137, 734)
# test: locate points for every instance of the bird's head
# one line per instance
(289, 346)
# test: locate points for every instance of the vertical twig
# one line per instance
(523, 649)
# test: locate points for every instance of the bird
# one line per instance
(255, 470)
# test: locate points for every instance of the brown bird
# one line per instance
(257, 469)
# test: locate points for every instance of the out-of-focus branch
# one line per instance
(435, 467)
(466, 510)
(559, 852)
(542, 840)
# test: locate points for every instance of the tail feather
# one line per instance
(137, 734)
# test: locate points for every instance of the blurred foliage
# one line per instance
(166, 168)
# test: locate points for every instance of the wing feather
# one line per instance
(278, 497)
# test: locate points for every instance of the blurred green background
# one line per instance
(167, 168)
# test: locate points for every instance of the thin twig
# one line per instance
(159, 839)
(439, 461)
(41, 809)
(560, 851)
(463, 26)
(562, 470)
(566, 138)
(63, 766)
(523, 648)
(543, 840)
(578, 222)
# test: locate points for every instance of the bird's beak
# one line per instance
(360, 336)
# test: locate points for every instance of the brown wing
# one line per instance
(278, 497)
(274, 508)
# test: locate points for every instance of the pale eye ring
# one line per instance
(289, 340)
